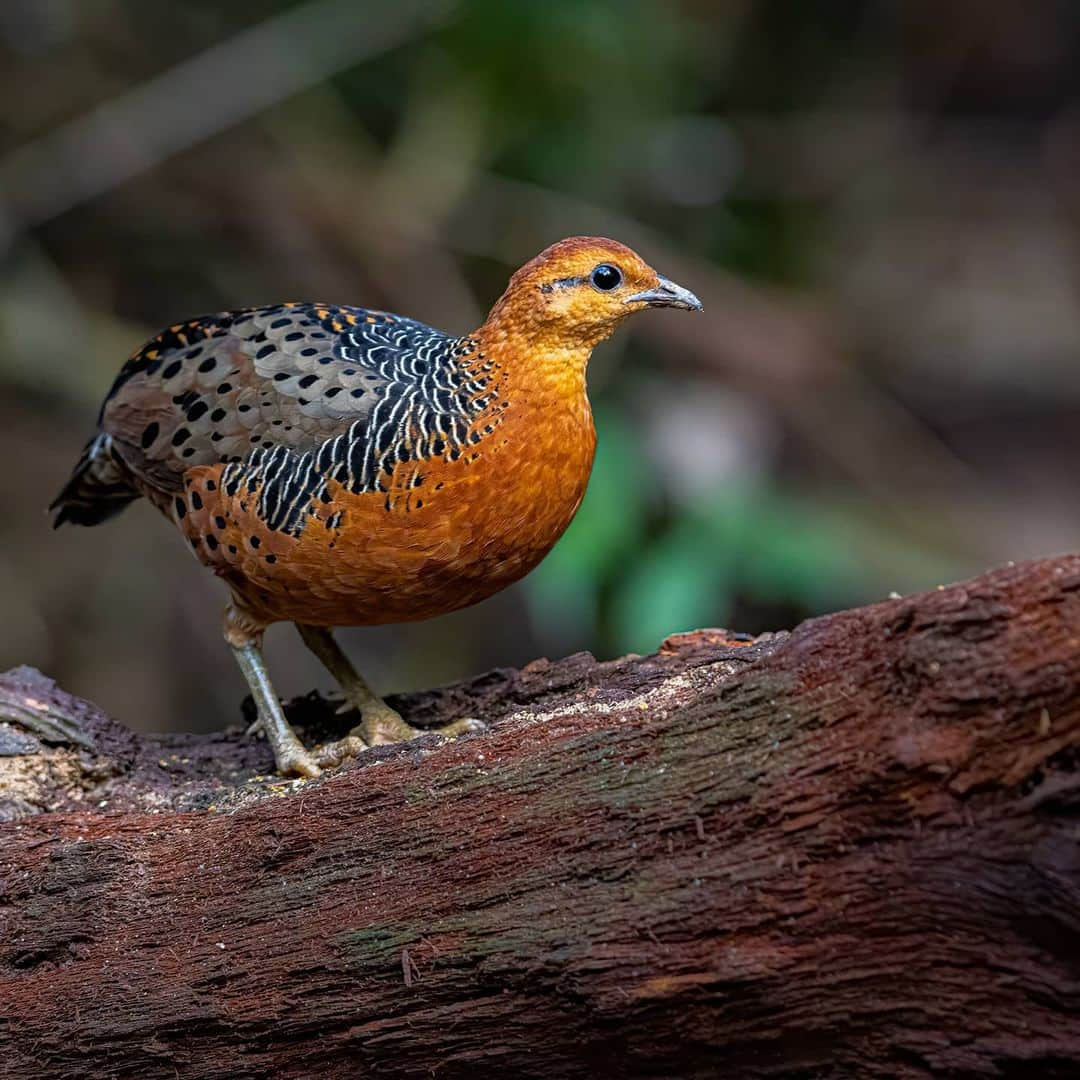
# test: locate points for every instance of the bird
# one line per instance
(340, 466)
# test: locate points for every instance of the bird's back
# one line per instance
(290, 394)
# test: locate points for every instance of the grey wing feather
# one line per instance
(290, 398)
(224, 387)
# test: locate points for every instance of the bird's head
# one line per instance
(575, 293)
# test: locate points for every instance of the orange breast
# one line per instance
(447, 534)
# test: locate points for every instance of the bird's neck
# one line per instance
(534, 440)
(542, 363)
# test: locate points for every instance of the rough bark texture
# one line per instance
(850, 850)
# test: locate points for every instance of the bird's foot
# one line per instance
(296, 761)
(332, 754)
(382, 726)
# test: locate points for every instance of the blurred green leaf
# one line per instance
(681, 582)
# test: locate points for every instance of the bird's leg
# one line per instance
(379, 724)
(289, 752)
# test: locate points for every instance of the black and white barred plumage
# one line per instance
(292, 398)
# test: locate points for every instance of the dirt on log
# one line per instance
(848, 850)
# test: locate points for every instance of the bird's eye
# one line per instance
(606, 277)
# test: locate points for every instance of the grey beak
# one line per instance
(666, 294)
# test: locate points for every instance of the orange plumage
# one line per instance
(338, 466)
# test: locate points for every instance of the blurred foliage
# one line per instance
(627, 574)
(876, 201)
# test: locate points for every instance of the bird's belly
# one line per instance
(468, 529)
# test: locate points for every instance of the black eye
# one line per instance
(606, 277)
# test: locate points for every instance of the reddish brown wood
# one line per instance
(851, 850)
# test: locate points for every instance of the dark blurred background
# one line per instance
(878, 202)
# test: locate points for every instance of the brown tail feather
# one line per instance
(97, 490)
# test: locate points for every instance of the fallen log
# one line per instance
(848, 850)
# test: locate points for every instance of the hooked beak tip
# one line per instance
(666, 294)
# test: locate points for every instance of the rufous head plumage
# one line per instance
(575, 293)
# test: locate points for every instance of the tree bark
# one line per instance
(848, 850)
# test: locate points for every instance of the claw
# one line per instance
(467, 725)
(299, 763)
(330, 755)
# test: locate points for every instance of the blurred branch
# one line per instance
(196, 99)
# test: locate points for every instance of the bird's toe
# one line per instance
(332, 754)
(298, 763)
(467, 725)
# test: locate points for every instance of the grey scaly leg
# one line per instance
(289, 752)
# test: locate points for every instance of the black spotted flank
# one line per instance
(150, 433)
